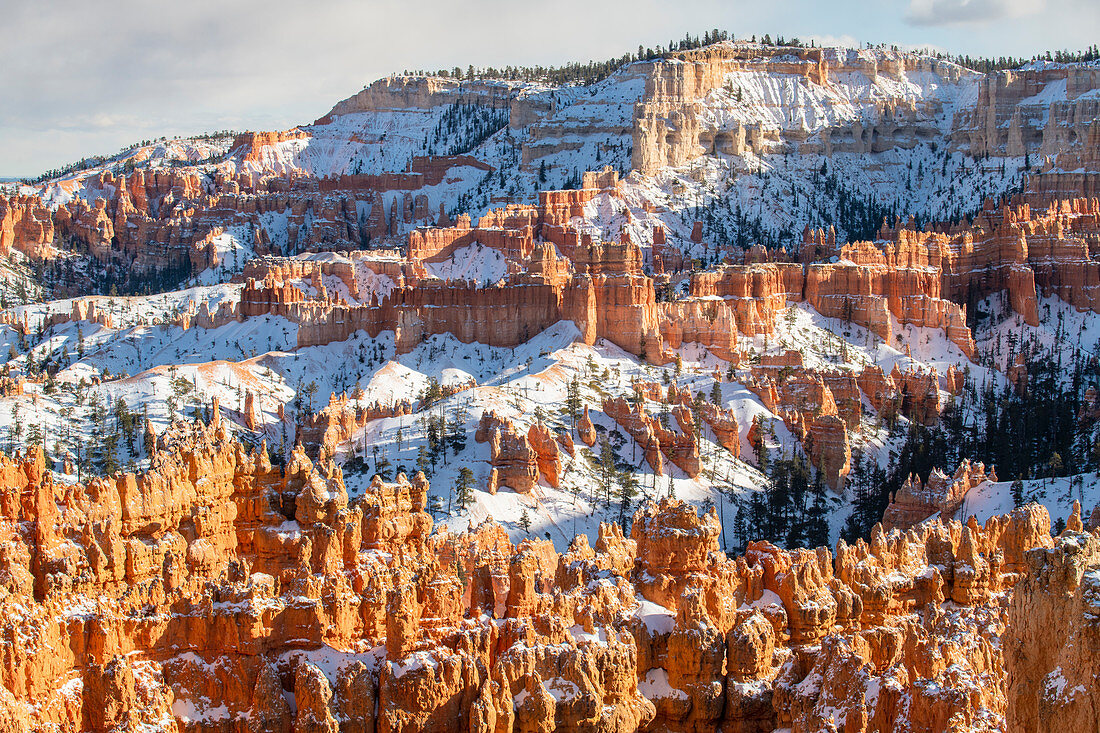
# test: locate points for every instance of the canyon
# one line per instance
(497, 404)
(221, 593)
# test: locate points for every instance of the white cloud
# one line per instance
(952, 12)
(84, 78)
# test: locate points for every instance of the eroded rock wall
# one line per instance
(219, 593)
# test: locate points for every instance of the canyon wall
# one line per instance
(217, 592)
(1045, 110)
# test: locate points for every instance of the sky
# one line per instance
(82, 77)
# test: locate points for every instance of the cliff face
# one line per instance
(1009, 119)
(907, 279)
(1051, 641)
(943, 494)
(215, 589)
(26, 224)
(421, 93)
(920, 279)
(219, 592)
(722, 100)
(672, 124)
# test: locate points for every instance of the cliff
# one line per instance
(215, 588)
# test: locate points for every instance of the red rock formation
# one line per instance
(546, 452)
(756, 293)
(1051, 641)
(805, 402)
(515, 463)
(586, 430)
(26, 225)
(1017, 374)
(251, 414)
(335, 425)
(367, 618)
(880, 390)
(250, 144)
(639, 426)
(655, 440)
(919, 393)
(724, 424)
(942, 494)
(671, 126)
(828, 448)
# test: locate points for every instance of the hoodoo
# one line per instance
(735, 385)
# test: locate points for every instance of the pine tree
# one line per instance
(1017, 493)
(432, 437)
(607, 469)
(15, 430)
(423, 462)
(573, 400)
(464, 487)
(759, 443)
(628, 489)
(34, 434)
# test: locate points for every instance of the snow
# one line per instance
(413, 663)
(1055, 682)
(1057, 495)
(474, 262)
(657, 619)
(577, 632)
(188, 712)
(655, 686)
(234, 248)
(332, 661)
(143, 358)
(561, 689)
(871, 693)
(1054, 91)
(767, 598)
(260, 356)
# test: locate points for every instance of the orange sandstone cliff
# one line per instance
(217, 592)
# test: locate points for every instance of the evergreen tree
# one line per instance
(464, 487)
(573, 403)
(607, 469)
(628, 489)
(1017, 493)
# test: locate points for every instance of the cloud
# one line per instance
(128, 70)
(85, 78)
(955, 12)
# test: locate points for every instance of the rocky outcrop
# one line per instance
(940, 494)
(804, 401)
(656, 441)
(1051, 640)
(515, 463)
(26, 224)
(337, 423)
(724, 424)
(671, 127)
(250, 145)
(216, 586)
(547, 454)
(586, 430)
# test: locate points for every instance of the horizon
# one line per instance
(200, 74)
